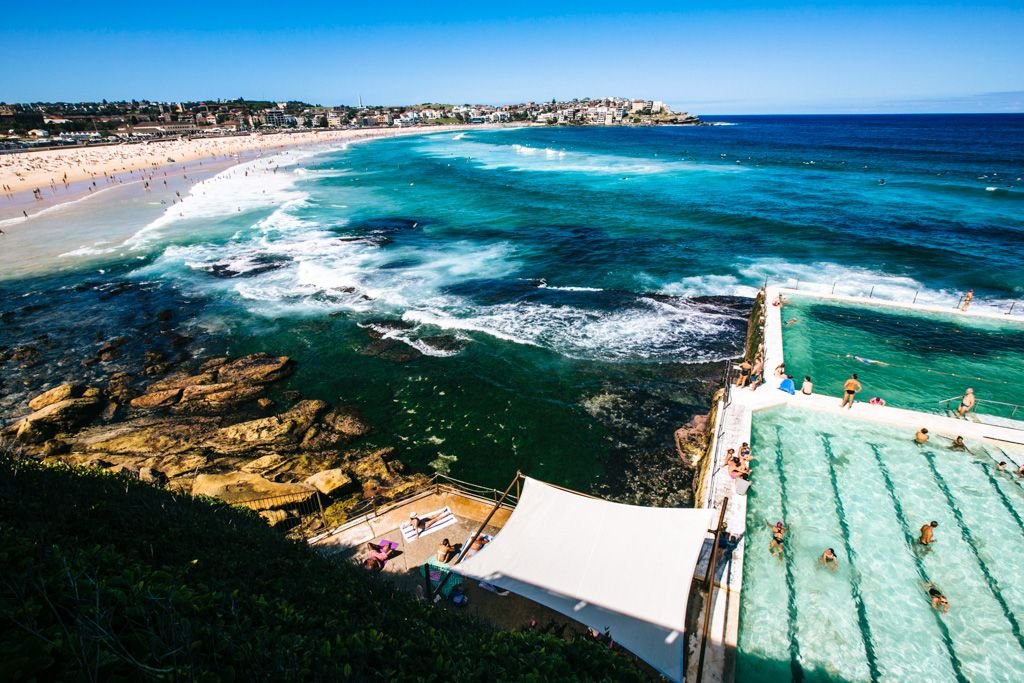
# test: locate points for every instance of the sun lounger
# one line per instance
(437, 572)
(440, 519)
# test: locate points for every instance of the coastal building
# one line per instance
(275, 118)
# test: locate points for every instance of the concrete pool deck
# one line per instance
(733, 426)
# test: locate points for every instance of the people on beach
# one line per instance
(778, 538)
(968, 298)
(927, 533)
(938, 600)
(966, 402)
(829, 559)
(850, 389)
(921, 437)
(807, 388)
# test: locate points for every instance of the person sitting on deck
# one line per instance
(921, 437)
(829, 559)
(445, 551)
(745, 454)
(927, 532)
(966, 403)
(807, 388)
(877, 401)
(939, 601)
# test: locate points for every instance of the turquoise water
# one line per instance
(865, 490)
(928, 357)
(572, 291)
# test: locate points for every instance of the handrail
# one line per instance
(710, 581)
(823, 288)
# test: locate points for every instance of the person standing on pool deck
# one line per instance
(966, 403)
(850, 389)
(927, 532)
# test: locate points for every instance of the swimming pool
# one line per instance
(865, 490)
(922, 357)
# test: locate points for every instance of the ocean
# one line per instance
(550, 300)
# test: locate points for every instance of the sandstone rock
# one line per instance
(220, 395)
(180, 380)
(142, 437)
(691, 440)
(263, 464)
(274, 517)
(256, 368)
(151, 475)
(157, 399)
(111, 411)
(58, 393)
(372, 465)
(250, 489)
(54, 447)
(329, 481)
(214, 363)
(393, 350)
(278, 432)
(58, 417)
(265, 403)
(112, 349)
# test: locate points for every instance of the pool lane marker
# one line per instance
(910, 540)
(795, 667)
(1002, 494)
(844, 527)
(965, 533)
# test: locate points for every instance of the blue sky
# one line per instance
(743, 57)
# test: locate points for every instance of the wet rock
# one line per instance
(165, 315)
(444, 342)
(26, 356)
(346, 421)
(265, 403)
(214, 363)
(328, 482)
(691, 440)
(180, 380)
(58, 393)
(157, 399)
(278, 432)
(372, 465)
(393, 350)
(259, 368)
(54, 447)
(111, 350)
(378, 329)
(291, 396)
(147, 437)
(243, 487)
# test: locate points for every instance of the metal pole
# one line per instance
(915, 296)
(1012, 304)
(473, 538)
(872, 292)
(834, 286)
(323, 518)
(710, 581)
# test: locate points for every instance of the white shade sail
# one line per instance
(624, 568)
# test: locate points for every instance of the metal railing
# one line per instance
(857, 290)
(381, 504)
(1014, 407)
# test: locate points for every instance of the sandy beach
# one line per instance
(22, 173)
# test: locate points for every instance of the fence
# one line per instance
(883, 292)
(1008, 410)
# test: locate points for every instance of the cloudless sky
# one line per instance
(740, 56)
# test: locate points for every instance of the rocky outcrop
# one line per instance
(691, 439)
(211, 431)
(57, 417)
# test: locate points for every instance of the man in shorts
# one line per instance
(850, 389)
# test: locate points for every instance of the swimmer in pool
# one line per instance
(921, 437)
(939, 601)
(829, 559)
(959, 445)
(778, 538)
(927, 533)
(866, 361)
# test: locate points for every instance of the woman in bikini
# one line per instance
(778, 538)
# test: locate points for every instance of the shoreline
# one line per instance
(64, 175)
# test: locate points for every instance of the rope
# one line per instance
(891, 342)
(934, 372)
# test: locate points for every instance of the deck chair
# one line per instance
(441, 518)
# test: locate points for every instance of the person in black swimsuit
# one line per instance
(778, 538)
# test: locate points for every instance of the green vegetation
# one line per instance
(102, 578)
